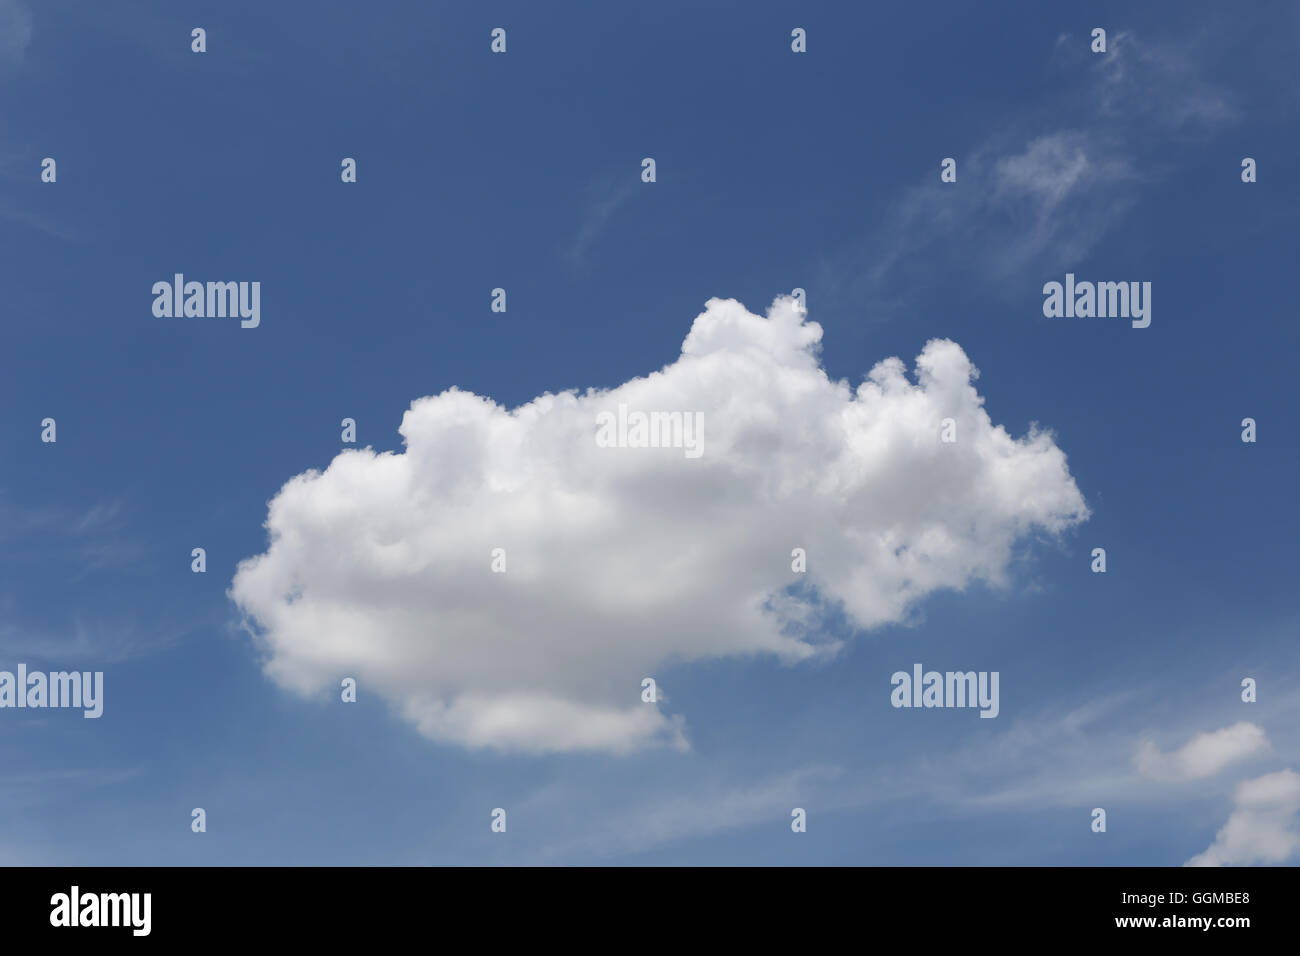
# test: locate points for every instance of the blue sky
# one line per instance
(774, 170)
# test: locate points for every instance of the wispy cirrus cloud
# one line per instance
(663, 817)
(602, 200)
(1071, 755)
(15, 32)
(1044, 187)
(1202, 756)
(365, 555)
(81, 549)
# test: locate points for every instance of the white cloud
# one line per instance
(622, 559)
(1161, 84)
(1045, 185)
(1262, 827)
(1202, 756)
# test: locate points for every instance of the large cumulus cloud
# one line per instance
(622, 559)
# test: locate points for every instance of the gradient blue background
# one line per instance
(477, 171)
